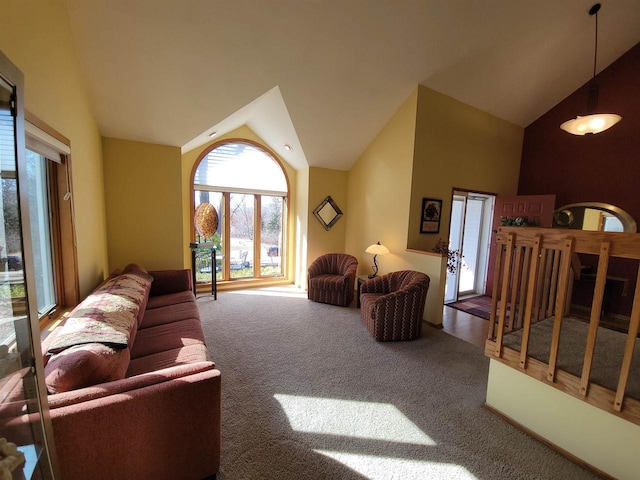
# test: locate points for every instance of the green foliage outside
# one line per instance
(17, 291)
(11, 216)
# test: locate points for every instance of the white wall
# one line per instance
(603, 440)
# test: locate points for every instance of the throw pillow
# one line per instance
(85, 365)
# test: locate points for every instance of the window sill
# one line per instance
(238, 284)
(50, 322)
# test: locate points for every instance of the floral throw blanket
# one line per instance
(107, 316)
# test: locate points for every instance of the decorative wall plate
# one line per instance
(206, 220)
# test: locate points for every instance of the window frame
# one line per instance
(62, 224)
(47, 213)
(224, 221)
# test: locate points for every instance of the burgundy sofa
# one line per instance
(155, 417)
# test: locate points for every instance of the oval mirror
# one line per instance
(594, 216)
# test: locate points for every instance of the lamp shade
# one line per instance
(377, 249)
(589, 124)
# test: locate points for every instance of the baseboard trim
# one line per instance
(551, 445)
(439, 326)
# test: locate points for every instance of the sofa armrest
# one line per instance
(170, 281)
(378, 285)
(350, 272)
(128, 384)
(406, 292)
(402, 301)
(163, 430)
(315, 269)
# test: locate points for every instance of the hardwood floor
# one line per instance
(465, 326)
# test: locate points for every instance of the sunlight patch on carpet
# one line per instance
(378, 468)
(369, 420)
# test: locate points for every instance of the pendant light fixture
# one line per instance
(592, 122)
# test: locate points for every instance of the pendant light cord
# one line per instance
(595, 54)
(592, 92)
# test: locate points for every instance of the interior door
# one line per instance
(537, 210)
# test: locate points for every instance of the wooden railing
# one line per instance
(535, 273)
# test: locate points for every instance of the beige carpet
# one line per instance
(607, 358)
(308, 394)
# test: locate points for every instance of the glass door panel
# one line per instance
(470, 246)
(20, 406)
(38, 191)
(455, 242)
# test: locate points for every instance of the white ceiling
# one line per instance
(326, 75)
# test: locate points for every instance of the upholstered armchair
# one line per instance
(392, 305)
(332, 278)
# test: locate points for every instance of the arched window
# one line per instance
(249, 190)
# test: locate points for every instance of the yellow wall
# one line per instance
(601, 439)
(458, 146)
(188, 162)
(325, 182)
(36, 37)
(378, 206)
(143, 204)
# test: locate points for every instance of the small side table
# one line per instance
(360, 280)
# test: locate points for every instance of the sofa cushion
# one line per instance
(167, 337)
(170, 281)
(170, 299)
(169, 314)
(106, 316)
(85, 365)
(194, 353)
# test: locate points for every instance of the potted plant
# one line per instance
(442, 247)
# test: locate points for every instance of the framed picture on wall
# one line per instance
(431, 211)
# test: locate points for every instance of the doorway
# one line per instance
(470, 234)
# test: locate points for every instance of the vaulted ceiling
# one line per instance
(324, 76)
